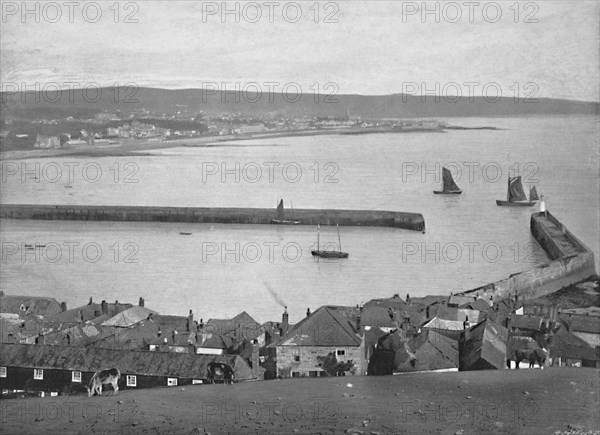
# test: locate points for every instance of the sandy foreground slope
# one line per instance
(555, 400)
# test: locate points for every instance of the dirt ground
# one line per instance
(551, 401)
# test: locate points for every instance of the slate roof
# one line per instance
(41, 306)
(129, 317)
(437, 323)
(459, 300)
(582, 323)
(526, 322)
(459, 314)
(88, 312)
(328, 326)
(435, 353)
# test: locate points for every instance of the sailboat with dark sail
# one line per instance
(328, 254)
(449, 187)
(280, 216)
(516, 195)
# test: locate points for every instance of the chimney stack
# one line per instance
(255, 354)
(141, 302)
(91, 301)
(284, 322)
(307, 312)
(174, 335)
(104, 307)
(190, 321)
(407, 298)
(63, 306)
(466, 323)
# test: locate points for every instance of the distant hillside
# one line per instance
(126, 100)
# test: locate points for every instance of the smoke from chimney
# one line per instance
(274, 294)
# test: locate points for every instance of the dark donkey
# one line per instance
(220, 372)
(532, 355)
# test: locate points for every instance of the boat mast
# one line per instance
(339, 238)
(318, 236)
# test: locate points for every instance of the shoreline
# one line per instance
(136, 148)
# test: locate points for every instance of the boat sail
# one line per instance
(328, 254)
(533, 195)
(280, 216)
(450, 186)
(515, 195)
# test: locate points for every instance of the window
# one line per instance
(172, 382)
(38, 374)
(340, 354)
(131, 381)
(295, 374)
(296, 355)
(313, 374)
(76, 376)
(2, 372)
(196, 381)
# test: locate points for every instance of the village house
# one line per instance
(427, 350)
(24, 305)
(327, 335)
(47, 142)
(450, 321)
(483, 347)
(67, 369)
(584, 326)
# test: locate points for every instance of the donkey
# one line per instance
(220, 371)
(103, 377)
(534, 356)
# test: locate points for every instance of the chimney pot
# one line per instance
(90, 302)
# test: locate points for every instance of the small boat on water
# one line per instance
(516, 195)
(280, 216)
(449, 186)
(184, 233)
(328, 254)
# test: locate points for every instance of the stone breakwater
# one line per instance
(367, 218)
(572, 262)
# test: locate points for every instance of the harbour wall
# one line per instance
(572, 262)
(371, 218)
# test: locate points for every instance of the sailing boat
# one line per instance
(280, 216)
(450, 186)
(516, 195)
(328, 254)
(533, 195)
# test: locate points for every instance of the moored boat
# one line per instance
(449, 186)
(280, 216)
(328, 254)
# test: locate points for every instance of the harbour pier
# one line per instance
(217, 215)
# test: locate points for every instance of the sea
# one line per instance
(219, 270)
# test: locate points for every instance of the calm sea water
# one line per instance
(219, 270)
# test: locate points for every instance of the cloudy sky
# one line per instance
(367, 47)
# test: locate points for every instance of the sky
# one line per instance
(538, 49)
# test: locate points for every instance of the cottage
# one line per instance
(325, 343)
(66, 368)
